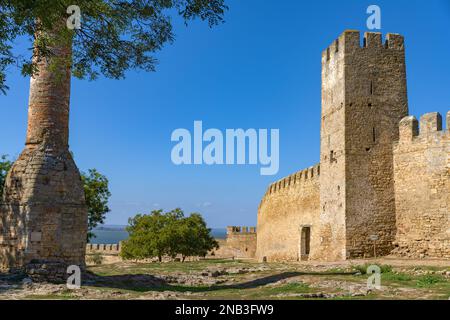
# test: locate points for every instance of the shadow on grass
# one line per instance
(145, 283)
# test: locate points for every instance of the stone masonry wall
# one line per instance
(363, 99)
(422, 187)
(240, 243)
(375, 102)
(44, 216)
(370, 195)
(331, 229)
(103, 248)
(288, 205)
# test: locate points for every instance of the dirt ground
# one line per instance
(245, 279)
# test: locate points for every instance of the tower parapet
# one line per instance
(383, 179)
(422, 184)
(233, 230)
(351, 39)
(430, 126)
(294, 179)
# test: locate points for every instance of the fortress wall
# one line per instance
(375, 102)
(332, 152)
(422, 187)
(222, 252)
(113, 249)
(240, 243)
(288, 205)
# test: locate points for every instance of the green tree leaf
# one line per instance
(96, 191)
(161, 234)
(5, 165)
(115, 35)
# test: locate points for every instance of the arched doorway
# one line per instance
(305, 242)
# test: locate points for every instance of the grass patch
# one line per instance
(399, 277)
(384, 268)
(163, 268)
(253, 285)
(429, 280)
(295, 287)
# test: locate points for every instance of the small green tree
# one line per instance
(194, 237)
(158, 234)
(148, 237)
(96, 191)
(5, 165)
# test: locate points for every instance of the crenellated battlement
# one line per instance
(422, 183)
(294, 179)
(379, 177)
(430, 124)
(103, 248)
(233, 230)
(351, 39)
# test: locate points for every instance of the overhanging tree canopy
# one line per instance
(114, 36)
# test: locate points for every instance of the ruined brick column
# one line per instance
(43, 217)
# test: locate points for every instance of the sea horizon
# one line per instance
(113, 234)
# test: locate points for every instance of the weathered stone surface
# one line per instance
(289, 205)
(240, 243)
(372, 191)
(422, 188)
(44, 214)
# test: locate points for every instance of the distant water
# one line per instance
(112, 234)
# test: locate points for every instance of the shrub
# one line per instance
(95, 258)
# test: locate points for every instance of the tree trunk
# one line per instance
(44, 215)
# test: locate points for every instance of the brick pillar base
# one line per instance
(43, 215)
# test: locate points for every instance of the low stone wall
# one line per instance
(112, 249)
(240, 243)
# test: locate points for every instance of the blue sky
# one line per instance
(261, 69)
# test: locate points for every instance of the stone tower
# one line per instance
(43, 217)
(363, 99)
